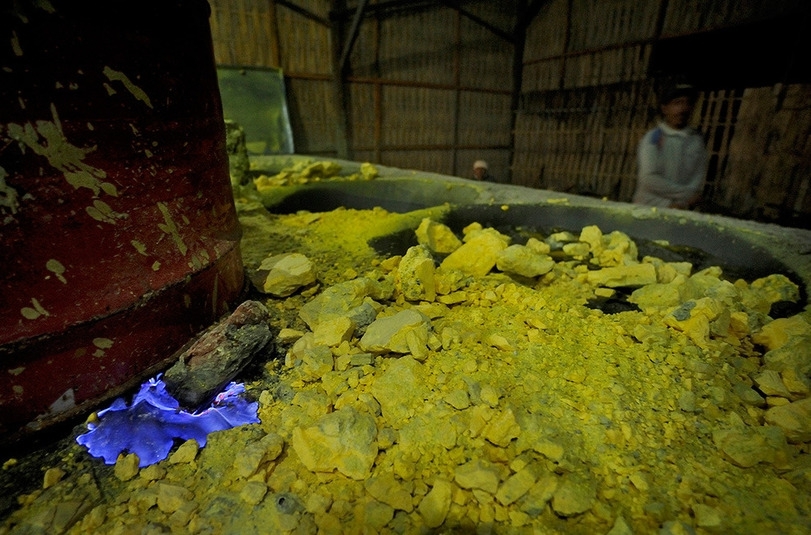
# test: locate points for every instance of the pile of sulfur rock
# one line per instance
(465, 386)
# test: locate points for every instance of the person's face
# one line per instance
(677, 112)
(478, 172)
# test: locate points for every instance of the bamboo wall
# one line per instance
(430, 87)
(416, 98)
(589, 94)
(433, 99)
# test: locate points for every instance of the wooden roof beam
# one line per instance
(301, 11)
(528, 14)
(382, 8)
(353, 35)
(478, 20)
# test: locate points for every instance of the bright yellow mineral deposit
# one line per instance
(413, 395)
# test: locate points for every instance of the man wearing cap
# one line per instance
(672, 158)
(480, 171)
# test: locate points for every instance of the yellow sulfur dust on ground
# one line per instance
(522, 411)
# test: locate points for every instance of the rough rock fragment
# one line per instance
(706, 516)
(516, 486)
(524, 261)
(620, 527)
(219, 355)
(435, 505)
(794, 419)
(186, 453)
(390, 334)
(285, 273)
(694, 318)
(172, 497)
(770, 383)
(341, 300)
(776, 287)
(478, 255)
(777, 333)
(400, 389)
(534, 501)
(373, 514)
(746, 448)
(253, 492)
(415, 275)
(437, 237)
(332, 332)
(316, 361)
(126, 467)
(748, 395)
(458, 399)
(502, 429)
(538, 246)
(53, 476)
(389, 490)
(573, 498)
(657, 296)
(248, 461)
(343, 440)
(477, 474)
(794, 354)
(632, 275)
(617, 249)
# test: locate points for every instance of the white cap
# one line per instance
(479, 164)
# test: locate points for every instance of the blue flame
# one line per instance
(155, 420)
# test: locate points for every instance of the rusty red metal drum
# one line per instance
(118, 235)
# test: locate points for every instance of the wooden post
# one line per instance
(456, 92)
(338, 87)
(519, 38)
(273, 28)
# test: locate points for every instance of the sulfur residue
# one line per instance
(101, 211)
(139, 246)
(170, 228)
(504, 405)
(306, 171)
(15, 44)
(35, 311)
(47, 139)
(57, 268)
(136, 91)
(8, 195)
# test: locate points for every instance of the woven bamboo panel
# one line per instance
(244, 33)
(546, 36)
(484, 118)
(543, 75)
(485, 59)
(583, 141)
(414, 116)
(686, 16)
(499, 14)
(304, 43)
(607, 67)
(418, 47)
(364, 110)
(364, 61)
(319, 8)
(600, 24)
(770, 159)
(312, 115)
(432, 161)
(365, 156)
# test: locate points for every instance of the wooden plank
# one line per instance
(272, 28)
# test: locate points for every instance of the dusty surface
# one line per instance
(514, 408)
